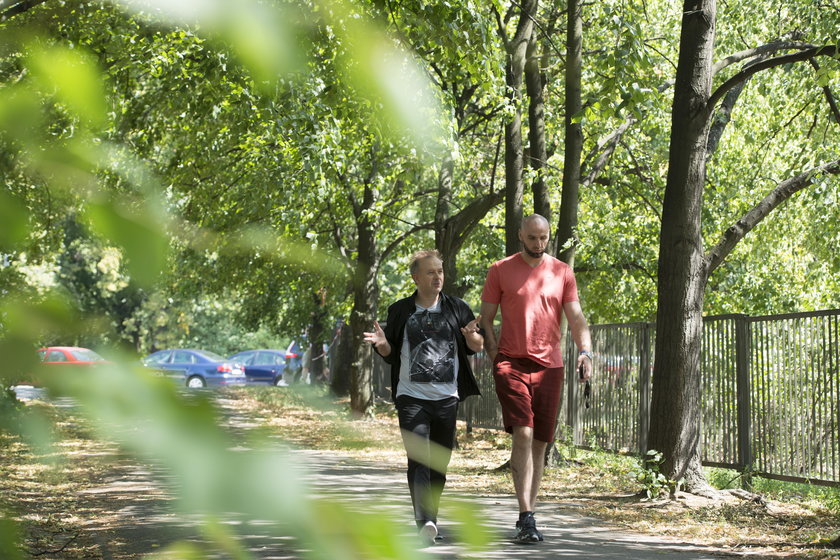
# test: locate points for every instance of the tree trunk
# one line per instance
(451, 235)
(675, 408)
(364, 304)
(316, 338)
(564, 241)
(442, 233)
(516, 52)
(535, 85)
(340, 365)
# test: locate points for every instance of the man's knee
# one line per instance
(523, 433)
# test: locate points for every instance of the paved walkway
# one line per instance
(568, 534)
(137, 521)
(128, 516)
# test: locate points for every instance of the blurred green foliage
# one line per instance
(199, 174)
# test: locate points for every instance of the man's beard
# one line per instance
(532, 254)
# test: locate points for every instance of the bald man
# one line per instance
(533, 290)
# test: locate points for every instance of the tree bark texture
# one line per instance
(517, 48)
(567, 224)
(675, 408)
(343, 357)
(442, 237)
(316, 338)
(361, 319)
(535, 86)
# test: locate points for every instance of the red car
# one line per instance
(69, 356)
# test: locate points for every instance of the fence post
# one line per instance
(644, 387)
(742, 387)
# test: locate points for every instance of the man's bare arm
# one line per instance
(580, 333)
(488, 315)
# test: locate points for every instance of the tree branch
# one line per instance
(781, 193)
(608, 144)
(829, 97)
(462, 223)
(762, 50)
(405, 235)
(828, 50)
(11, 8)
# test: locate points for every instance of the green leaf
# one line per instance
(14, 219)
(74, 77)
(20, 114)
(137, 231)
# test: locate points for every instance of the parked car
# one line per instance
(69, 356)
(196, 368)
(55, 358)
(263, 366)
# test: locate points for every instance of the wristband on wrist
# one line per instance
(586, 353)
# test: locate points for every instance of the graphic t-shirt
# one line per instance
(429, 356)
(531, 300)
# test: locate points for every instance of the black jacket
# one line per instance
(457, 313)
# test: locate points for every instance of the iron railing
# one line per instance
(770, 394)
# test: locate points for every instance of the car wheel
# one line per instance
(196, 382)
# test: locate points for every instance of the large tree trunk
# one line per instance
(442, 236)
(675, 409)
(365, 294)
(517, 49)
(564, 241)
(535, 85)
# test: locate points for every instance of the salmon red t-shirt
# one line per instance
(531, 300)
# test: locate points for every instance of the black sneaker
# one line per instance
(527, 532)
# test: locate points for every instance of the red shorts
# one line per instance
(529, 394)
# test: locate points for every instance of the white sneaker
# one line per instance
(428, 532)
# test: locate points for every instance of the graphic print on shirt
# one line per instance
(431, 347)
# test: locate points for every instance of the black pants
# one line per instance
(429, 421)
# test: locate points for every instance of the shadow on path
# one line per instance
(128, 515)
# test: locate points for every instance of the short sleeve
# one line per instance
(570, 292)
(492, 292)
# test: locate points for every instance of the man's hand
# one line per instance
(377, 338)
(585, 361)
(471, 327)
(474, 339)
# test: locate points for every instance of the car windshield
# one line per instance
(210, 355)
(84, 355)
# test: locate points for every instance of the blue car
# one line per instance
(196, 368)
(263, 366)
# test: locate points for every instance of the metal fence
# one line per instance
(770, 388)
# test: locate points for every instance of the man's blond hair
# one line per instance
(418, 256)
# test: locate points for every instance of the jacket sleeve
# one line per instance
(465, 315)
(391, 333)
